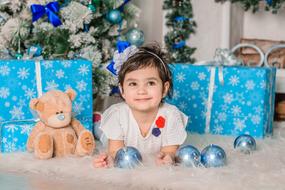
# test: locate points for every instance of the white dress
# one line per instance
(118, 123)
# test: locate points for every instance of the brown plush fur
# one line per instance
(57, 134)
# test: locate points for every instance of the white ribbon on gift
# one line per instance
(39, 91)
(38, 78)
(223, 57)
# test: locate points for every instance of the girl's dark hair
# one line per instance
(150, 55)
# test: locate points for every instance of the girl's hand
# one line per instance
(103, 161)
(163, 159)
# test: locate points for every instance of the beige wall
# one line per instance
(265, 25)
(218, 25)
(151, 19)
(209, 31)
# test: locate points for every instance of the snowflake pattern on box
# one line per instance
(15, 135)
(18, 87)
(243, 104)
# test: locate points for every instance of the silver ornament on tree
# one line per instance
(114, 16)
(135, 37)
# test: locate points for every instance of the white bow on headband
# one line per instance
(120, 58)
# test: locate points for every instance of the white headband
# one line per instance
(120, 58)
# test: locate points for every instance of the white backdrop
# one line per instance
(218, 25)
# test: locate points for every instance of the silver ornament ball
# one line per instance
(245, 144)
(135, 37)
(114, 16)
(188, 156)
(213, 156)
(127, 157)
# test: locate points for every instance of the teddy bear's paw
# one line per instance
(85, 144)
(44, 146)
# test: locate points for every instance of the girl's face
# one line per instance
(143, 89)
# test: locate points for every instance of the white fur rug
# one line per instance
(263, 169)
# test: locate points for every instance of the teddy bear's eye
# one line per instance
(57, 112)
(61, 111)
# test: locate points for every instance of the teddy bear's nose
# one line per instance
(60, 117)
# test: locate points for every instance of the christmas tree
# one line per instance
(65, 29)
(179, 20)
(255, 5)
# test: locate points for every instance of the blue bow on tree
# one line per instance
(50, 9)
(121, 7)
(269, 2)
(179, 45)
(121, 46)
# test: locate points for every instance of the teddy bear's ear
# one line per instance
(71, 93)
(35, 104)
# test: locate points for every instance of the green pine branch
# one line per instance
(179, 20)
(254, 5)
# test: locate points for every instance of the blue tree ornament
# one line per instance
(213, 156)
(35, 51)
(19, 55)
(127, 157)
(114, 16)
(245, 143)
(188, 156)
(92, 7)
(135, 37)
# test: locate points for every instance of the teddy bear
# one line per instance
(57, 133)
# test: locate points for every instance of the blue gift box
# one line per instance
(22, 80)
(225, 100)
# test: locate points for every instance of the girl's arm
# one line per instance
(114, 146)
(166, 155)
(106, 160)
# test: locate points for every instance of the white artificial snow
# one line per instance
(263, 169)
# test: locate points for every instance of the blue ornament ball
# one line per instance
(18, 55)
(245, 143)
(127, 157)
(35, 50)
(135, 37)
(92, 8)
(114, 16)
(188, 156)
(213, 156)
